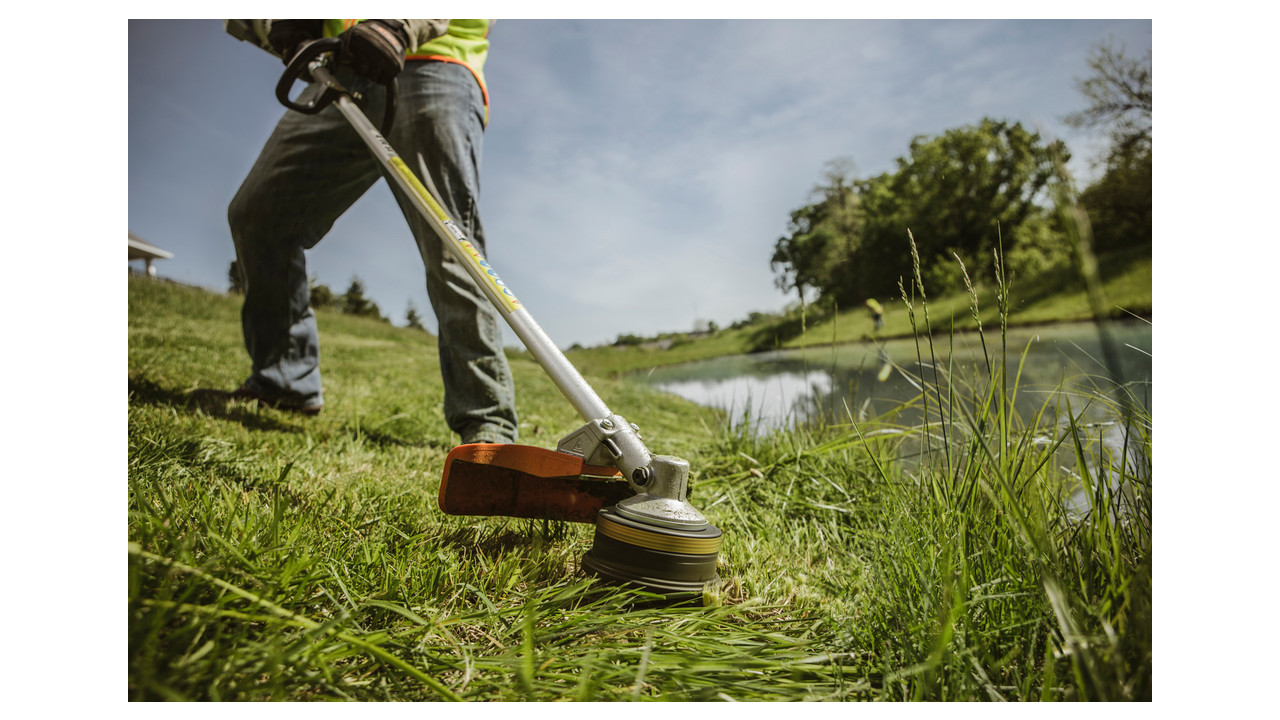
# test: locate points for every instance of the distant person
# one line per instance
(314, 167)
(877, 313)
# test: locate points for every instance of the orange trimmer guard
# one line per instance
(527, 482)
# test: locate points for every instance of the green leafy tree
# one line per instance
(800, 257)
(1119, 99)
(960, 193)
(1119, 203)
(322, 295)
(883, 251)
(820, 248)
(964, 191)
(627, 339)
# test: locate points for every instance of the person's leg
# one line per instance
(311, 170)
(439, 132)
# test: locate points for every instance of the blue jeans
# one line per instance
(311, 170)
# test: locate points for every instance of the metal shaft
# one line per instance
(566, 377)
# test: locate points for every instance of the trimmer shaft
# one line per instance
(655, 538)
(665, 560)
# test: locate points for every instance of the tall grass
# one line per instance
(951, 549)
(965, 550)
(1013, 559)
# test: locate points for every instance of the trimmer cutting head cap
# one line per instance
(662, 559)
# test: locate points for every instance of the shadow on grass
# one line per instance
(497, 541)
(211, 402)
(773, 335)
(218, 403)
(385, 439)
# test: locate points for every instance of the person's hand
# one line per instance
(288, 36)
(375, 48)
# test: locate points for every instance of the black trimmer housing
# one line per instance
(659, 559)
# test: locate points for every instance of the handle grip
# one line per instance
(307, 65)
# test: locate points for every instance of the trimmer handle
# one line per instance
(308, 65)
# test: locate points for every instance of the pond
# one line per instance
(1065, 362)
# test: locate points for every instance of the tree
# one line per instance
(703, 326)
(800, 256)
(355, 303)
(236, 278)
(412, 319)
(960, 194)
(822, 238)
(321, 295)
(1119, 97)
(1119, 203)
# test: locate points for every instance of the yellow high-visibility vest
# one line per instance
(465, 43)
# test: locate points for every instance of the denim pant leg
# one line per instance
(439, 132)
(311, 170)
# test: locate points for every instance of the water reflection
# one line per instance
(1063, 364)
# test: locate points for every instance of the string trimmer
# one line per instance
(647, 534)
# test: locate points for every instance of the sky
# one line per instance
(636, 173)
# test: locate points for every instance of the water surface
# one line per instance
(1062, 363)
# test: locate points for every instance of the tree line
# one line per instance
(970, 191)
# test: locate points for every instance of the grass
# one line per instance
(273, 557)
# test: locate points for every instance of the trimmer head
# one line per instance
(662, 559)
(653, 540)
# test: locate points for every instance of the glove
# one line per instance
(288, 36)
(375, 48)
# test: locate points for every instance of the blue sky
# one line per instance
(636, 174)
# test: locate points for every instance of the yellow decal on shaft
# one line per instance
(469, 252)
(421, 191)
